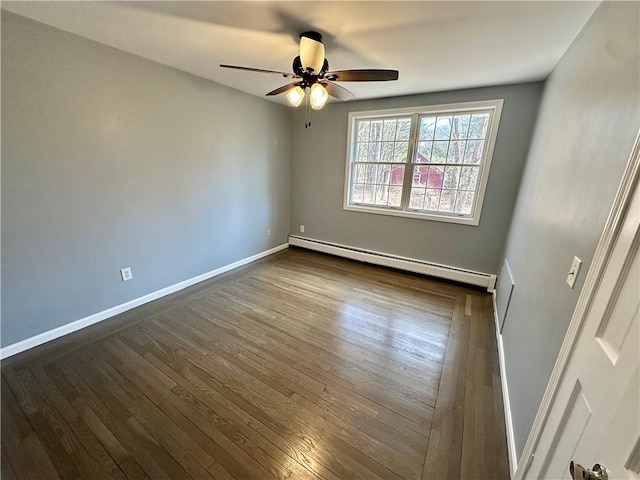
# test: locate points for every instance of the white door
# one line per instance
(595, 414)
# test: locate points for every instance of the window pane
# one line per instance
(404, 128)
(397, 175)
(400, 152)
(374, 152)
(479, 122)
(473, 153)
(370, 175)
(358, 193)
(456, 151)
(432, 199)
(424, 152)
(382, 195)
(447, 201)
(375, 132)
(362, 152)
(435, 177)
(420, 176)
(416, 200)
(460, 126)
(443, 128)
(387, 152)
(369, 192)
(439, 154)
(427, 128)
(395, 196)
(363, 130)
(451, 177)
(389, 130)
(385, 174)
(469, 178)
(359, 173)
(464, 202)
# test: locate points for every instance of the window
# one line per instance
(427, 162)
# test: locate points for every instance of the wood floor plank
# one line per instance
(371, 351)
(317, 382)
(200, 409)
(6, 468)
(39, 458)
(248, 426)
(285, 386)
(98, 391)
(298, 366)
(446, 406)
(167, 430)
(205, 437)
(323, 436)
(349, 377)
(15, 429)
(305, 439)
(132, 470)
(56, 436)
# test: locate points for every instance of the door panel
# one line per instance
(616, 324)
(572, 426)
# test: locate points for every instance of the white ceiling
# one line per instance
(436, 45)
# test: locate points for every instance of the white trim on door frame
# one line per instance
(592, 280)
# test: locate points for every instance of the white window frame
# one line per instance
(495, 106)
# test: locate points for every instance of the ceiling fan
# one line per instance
(311, 71)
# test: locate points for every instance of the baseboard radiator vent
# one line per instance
(456, 274)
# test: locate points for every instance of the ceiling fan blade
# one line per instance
(337, 91)
(260, 70)
(282, 89)
(367, 75)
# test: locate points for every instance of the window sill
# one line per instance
(408, 214)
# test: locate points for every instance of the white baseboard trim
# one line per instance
(402, 263)
(58, 332)
(511, 444)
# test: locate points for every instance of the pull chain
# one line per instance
(307, 122)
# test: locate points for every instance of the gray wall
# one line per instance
(587, 124)
(110, 160)
(318, 157)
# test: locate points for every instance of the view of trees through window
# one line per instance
(423, 163)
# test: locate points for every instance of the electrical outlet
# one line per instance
(573, 272)
(126, 274)
(268, 232)
(301, 228)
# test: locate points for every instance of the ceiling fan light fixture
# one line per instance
(312, 78)
(295, 96)
(311, 51)
(318, 96)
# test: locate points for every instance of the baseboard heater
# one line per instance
(456, 274)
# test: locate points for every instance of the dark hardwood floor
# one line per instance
(298, 366)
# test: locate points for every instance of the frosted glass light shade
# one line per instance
(295, 96)
(311, 54)
(318, 96)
